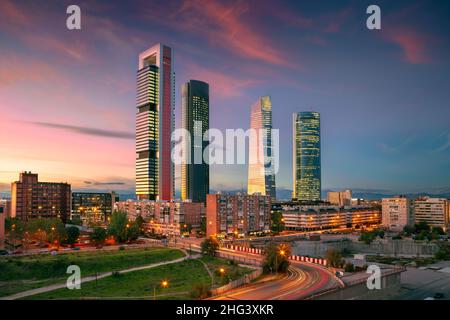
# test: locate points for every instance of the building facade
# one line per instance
(32, 199)
(340, 198)
(154, 124)
(6, 205)
(162, 214)
(2, 228)
(93, 207)
(235, 215)
(261, 166)
(195, 122)
(306, 156)
(308, 218)
(434, 211)
(396, 213)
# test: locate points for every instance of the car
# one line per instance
(439, 295)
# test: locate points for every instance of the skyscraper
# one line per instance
(306, 156)
(195, 120)
(261, 175)
(155, 103)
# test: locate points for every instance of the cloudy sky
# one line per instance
(67, 98)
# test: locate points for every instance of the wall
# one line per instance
(389, 247)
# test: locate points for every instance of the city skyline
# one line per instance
(75, 125)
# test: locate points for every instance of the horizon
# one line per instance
(382, 95)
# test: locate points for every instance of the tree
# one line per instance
(98, 236)
(209, 246)
(140, 223)
(276, 257)
(72, 235)
(132, 231)
(118, 226)
(422, 226)
(349, 267)
(277, 221)
(334, 258)
(76, 220)
(408, 230)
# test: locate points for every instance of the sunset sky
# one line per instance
(67, 98)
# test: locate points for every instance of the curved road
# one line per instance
(301, 281)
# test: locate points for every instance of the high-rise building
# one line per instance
(2, 228)
(93, 207)
(396, 213)
(237, 214)
(195, 120)
(31, 198)
(306, 156)
(434, 211)
(340, 198)
(261, 175)
(154, 124)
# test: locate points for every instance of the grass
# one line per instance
(232, 271)
(29, 272)
(181, 277)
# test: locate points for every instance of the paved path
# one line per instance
(93, 278)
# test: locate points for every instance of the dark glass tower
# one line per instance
(306, 156)
(195, 120)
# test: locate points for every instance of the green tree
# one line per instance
(76, 220)
(133, 231)
(276, 257)
(209, 246)
(408, 230)
(140, 223)
(349, 267)
(334, 258)
(118, 226)
(72, 235)
(277, 221)
(98, 236)
(422, 226)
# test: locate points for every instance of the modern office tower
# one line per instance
(32, 199)
(434, 211)
(261, 175)
(92, 207)
(306, 156)
(195, 120)
(396, 213)
(236, 215)
(340, 198)
(154, 124)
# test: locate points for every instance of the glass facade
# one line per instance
(195, 119)
(261, 175)
(154, 124)
(306, 156)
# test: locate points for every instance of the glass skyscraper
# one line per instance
(261, 175)
(195, 120)
(155, 104)
(306, 156)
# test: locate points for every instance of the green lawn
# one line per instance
(24, 273)
(139, 284)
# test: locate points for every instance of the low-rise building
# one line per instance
(237, 214)
(164, 217)
(340, 198)
(434, 211)
(396, 213)
(327, 217)
(2, 228)
(92, 207)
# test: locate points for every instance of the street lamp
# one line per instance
(163, 284)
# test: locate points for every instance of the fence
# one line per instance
(237, 283)
(319, 261)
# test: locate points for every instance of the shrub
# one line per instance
(200, 291)
(349, 267)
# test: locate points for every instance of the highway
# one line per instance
(301, 281)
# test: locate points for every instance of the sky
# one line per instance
(67, 97)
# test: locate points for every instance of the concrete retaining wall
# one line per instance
(237, 283)
(388, 247)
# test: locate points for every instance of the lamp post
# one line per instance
(164, 284)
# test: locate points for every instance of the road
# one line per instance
(301, 281)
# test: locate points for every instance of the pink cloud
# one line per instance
(414, 44)
(221, 85)
(11, 14)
